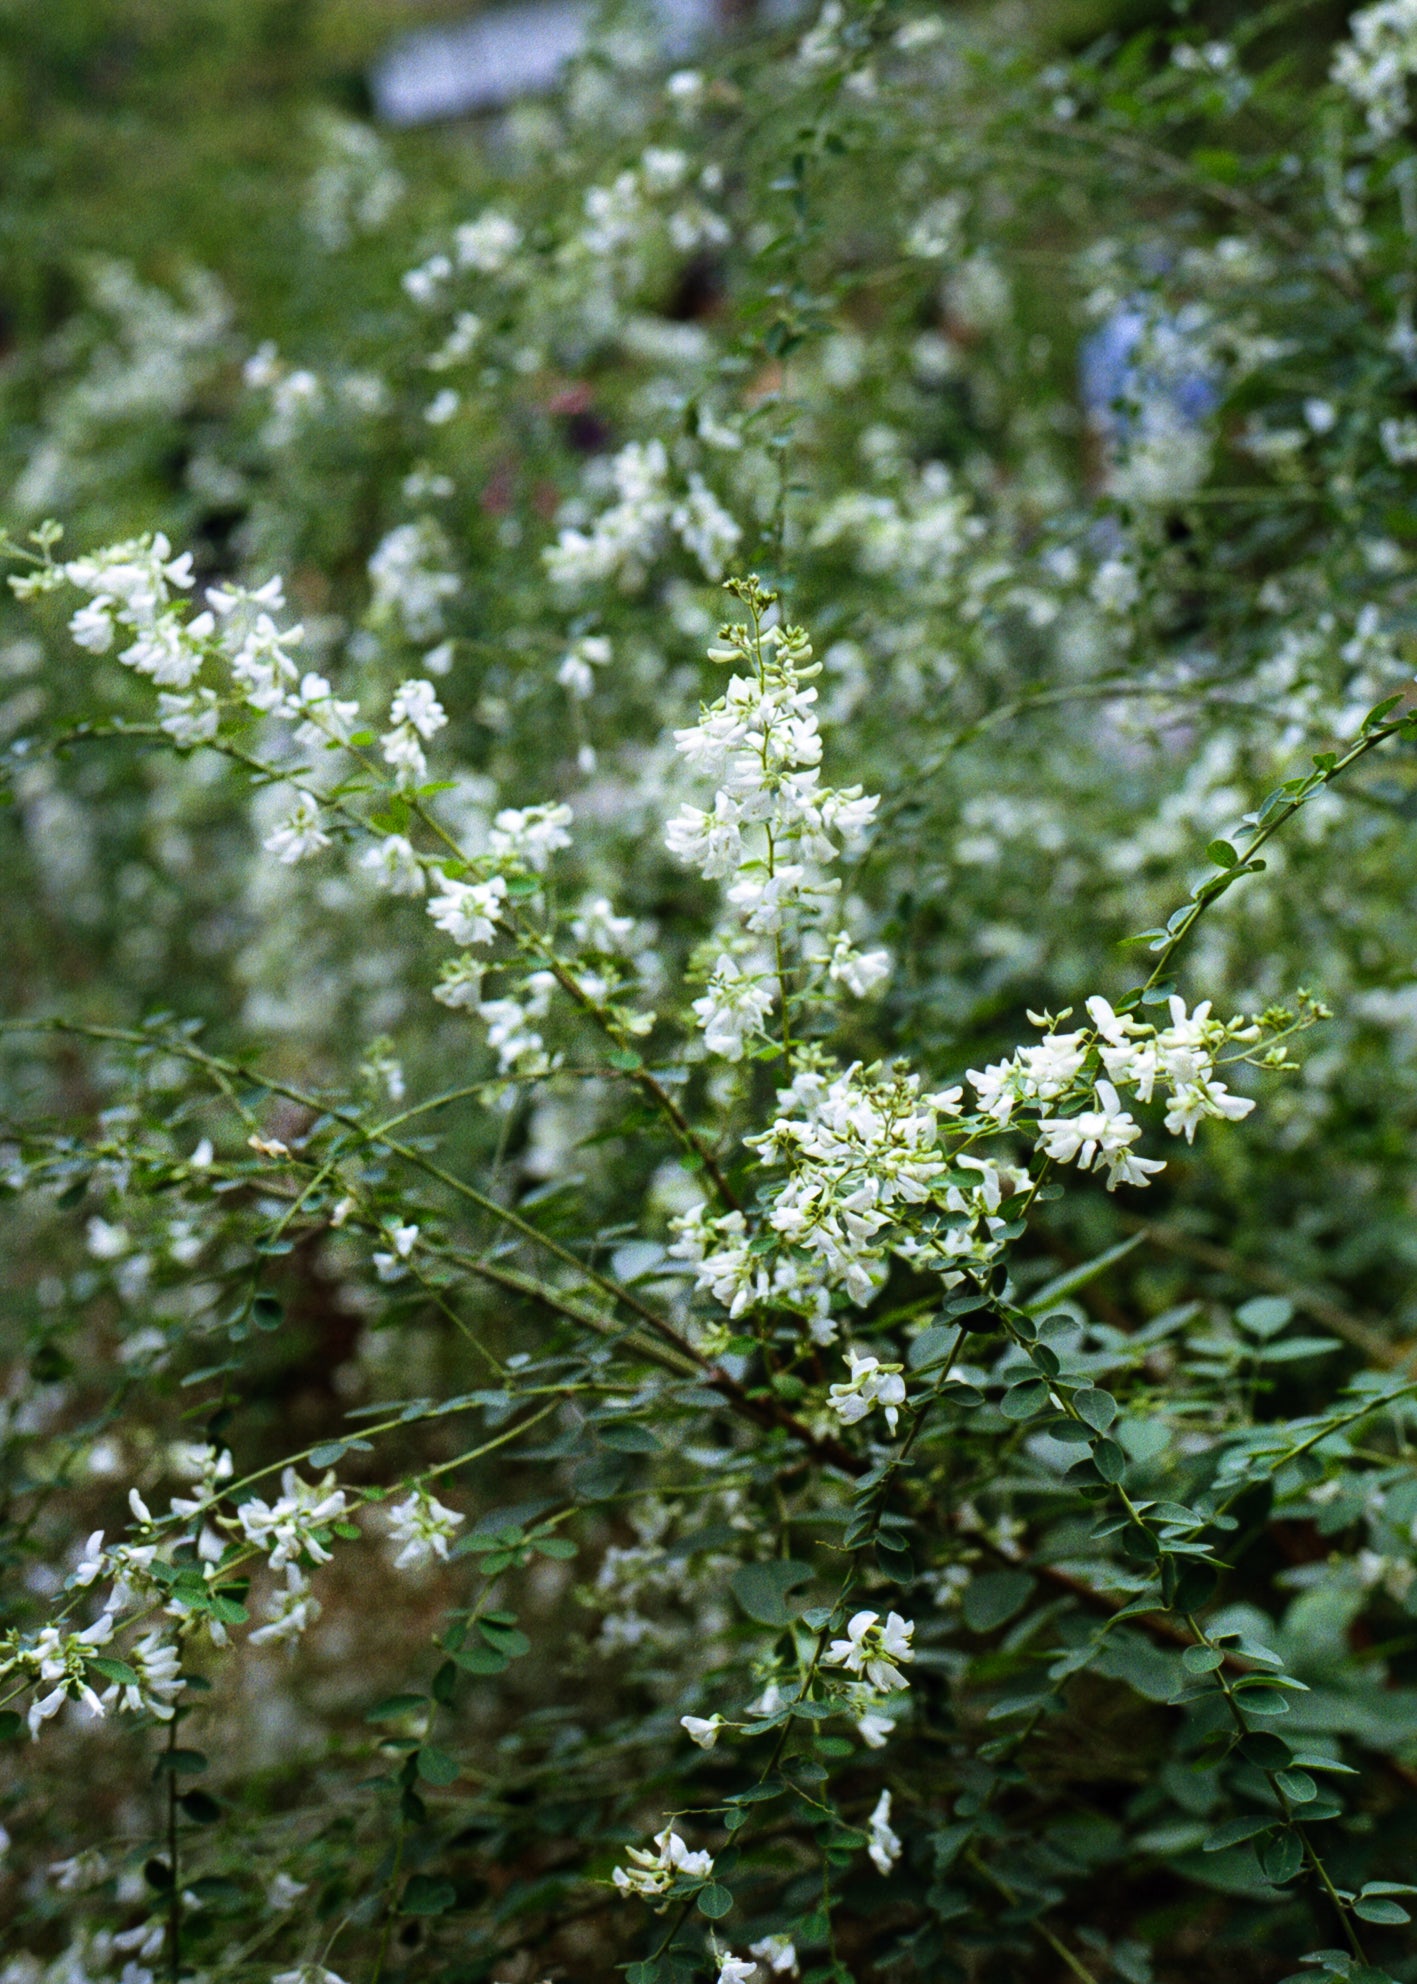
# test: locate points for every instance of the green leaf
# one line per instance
(715, 1901)
(11, 1725)
(1202, 1659)
(764, 1590)
(1023, 1401)
(479, 1660)
(435, 1766)
(182, 1763)
(1281, 1857)
(1097, 1407)
(994, 1597)
(1233, 1832)
(200, 1807)
(629, 1439)
(932, 1346)
(1265, 1315)
(506, 1640)
(1376, 1908)
(426, 1895)
(1222, 854)
(116, 1670)
(554, 1546)
(394, 1706)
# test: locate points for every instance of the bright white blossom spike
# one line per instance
(531, 834)
(421, 1530)
(861, 972)
(777, 1954)
(296, 1523)
(871, 1384)
(395, 866)
(469, 911)
(736, 1970)
(885, 1847)
(733, 1009)
(1099, 1138)
(649, 1874)
(702, 1730)
(290, 1611)
(873, 1647)
(299, 834)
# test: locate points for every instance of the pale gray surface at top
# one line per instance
(516, 51)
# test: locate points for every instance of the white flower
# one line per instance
(732, 1009)
(871, 1384)
(871, 1648)
(290, 1610)
(395, 867)
(158, 1665)
(705, 528)
(885, 1845)
(469, 911)
(308, 1973)
(416, 702)
(736, 1970)
(778, 1953)
(702, 1730)
(291, 1526)
(389, 1265)
(189, 720)
(327, 720)
(488, 243)
(1098, 1137)
(1194, 1101)
(420, 1529)
(576, 672)
(650, 1874)
(531, 834)
(712, 842)
(859, 971)
(299, 833)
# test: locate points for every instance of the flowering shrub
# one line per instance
(637, 1346)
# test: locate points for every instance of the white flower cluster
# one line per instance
(297, 1523)
(872, 1647)
(649, 1874)
(1378, 61)
(415, 717)
(618, 215)
(410, 579)
(486, 244)
(884, 1848)
(769, 1957)
(871, 1383)
(421, 1530)
(135, 593)
(625, 538)
(57, 1665)
(769, 831)
(1134, 1054)
(861, 1149)
(920, 534)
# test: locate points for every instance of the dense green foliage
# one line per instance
(687, 1298)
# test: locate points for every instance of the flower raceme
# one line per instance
(650, 1874)
(872, 1647)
